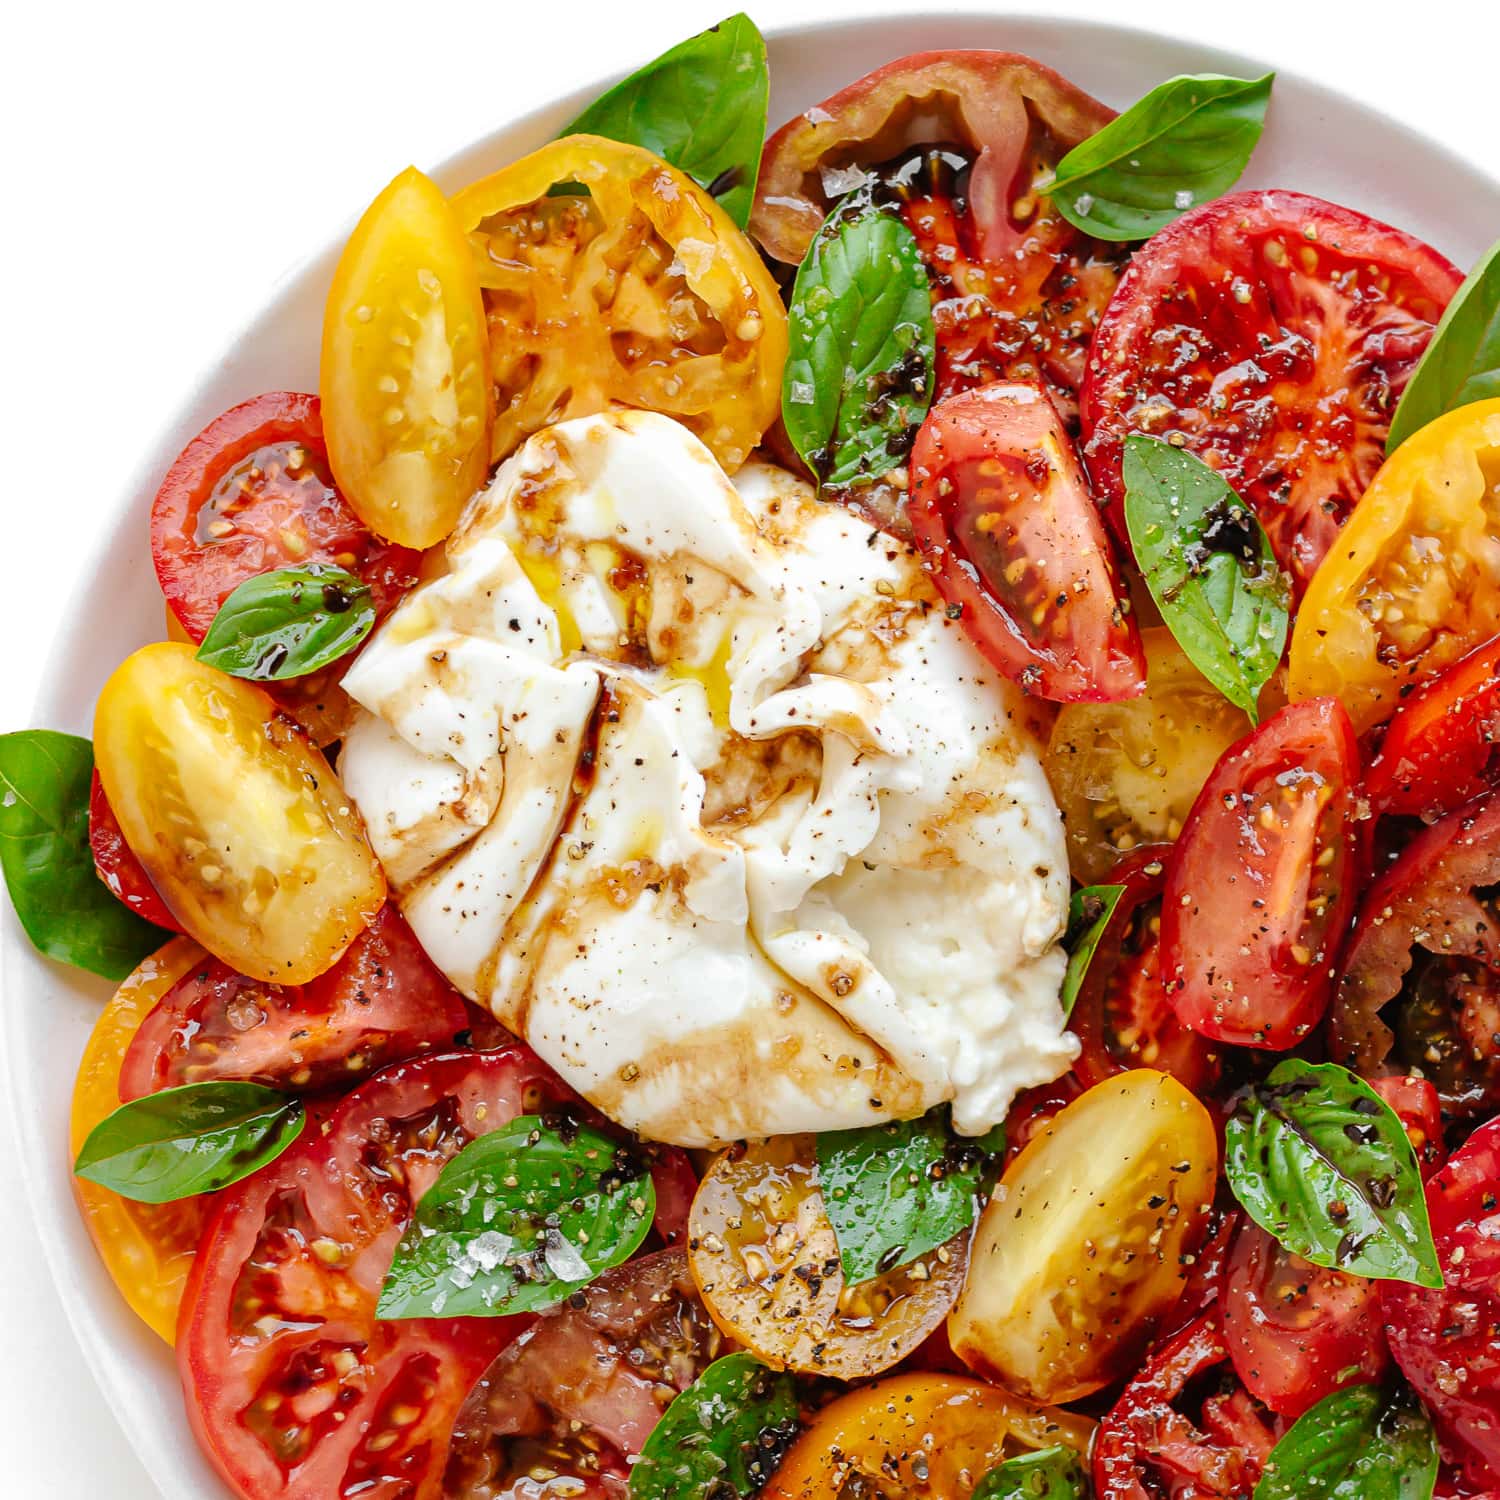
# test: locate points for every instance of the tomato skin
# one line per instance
(1286, 387)
(997, 495)
(1296, 1332)
(1267, 862)
(1144, 1437)
(147, 1248)
(1123, 1016)
(198, 573)
(1128, 1167)
(239, 822)
(117, 867)
(382, 1001)
(278, 1329)
(1420, 1111)
(1447, 1341)
(1423, 912)
(1410, 589)
(918, 1434)
(1439, 748)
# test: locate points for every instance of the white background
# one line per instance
(166, 165)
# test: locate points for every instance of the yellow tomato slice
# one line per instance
(934, 1436)
(406, 398)
(642, 292)
(240, 823)
(147, 1248)
(1081, 1250)
(763, 1252)
(1127, 773)
(1413, 581)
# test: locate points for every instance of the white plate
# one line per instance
(1316, 141)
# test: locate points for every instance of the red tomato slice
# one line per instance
(1123, 1017)
(1003, 514)
(1419, 1109)
(1428, 937)
(118, 867)
(1033, 1108)
(382, 1001)
(1446, 1341)
(1296, 1332)
(1439, 749)
(1205, 1283)
(1148, 1447)
(294, 1388)
(1262, 882)
(1274, 334)
(251, 493)
(579, 1392)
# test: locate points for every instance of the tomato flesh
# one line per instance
(1273, 334)
(117, 867)
(1261, 885)
(1447, 1341)
(384, 1000)
(1419, 1109)
(1003, 515)
(294, 1387)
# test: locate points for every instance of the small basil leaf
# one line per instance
(1187, 141)
(895, 1192)
(67, 911)
(859, 369)
(1319, 1160)
(194, 1139)
(1209, 566)
(1354, 1445)
(1088, 915)
(1462, 363)
(1048, 1474)
(727, 1432)
(701, 106)
(289, 623)
(516, 1221)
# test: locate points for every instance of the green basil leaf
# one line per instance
(1462, 363)
(67, 911)
(1088, 915)
(516, 1221)
(701, 106)
(728, 1431)
(1319, 1160)
(1048, 1474)
(895, 1192)
(194, 1139)
(1209, 566)
(289, 623)
(1354, 1445)
(1187, 141)
(859, 369)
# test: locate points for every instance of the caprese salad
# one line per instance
(827, 827)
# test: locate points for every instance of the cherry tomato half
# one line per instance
(763, 1252)
(1428, 937)
(1003, 514)
(642, 292)
(384, 1000)
(117, 867)
(295, 1389)
(239, 822)
(577, 1394)
(1445, 1341)
(404, 382)
(251, 493)
(1261, 885)
(1273, 333)
(1414, 584)
(934, 1436)
(1295, 1331)
(1082, 1248)
(1420, 1111)
(1439, 748)
(147, 1248)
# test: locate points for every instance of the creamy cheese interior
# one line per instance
(698, 789)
